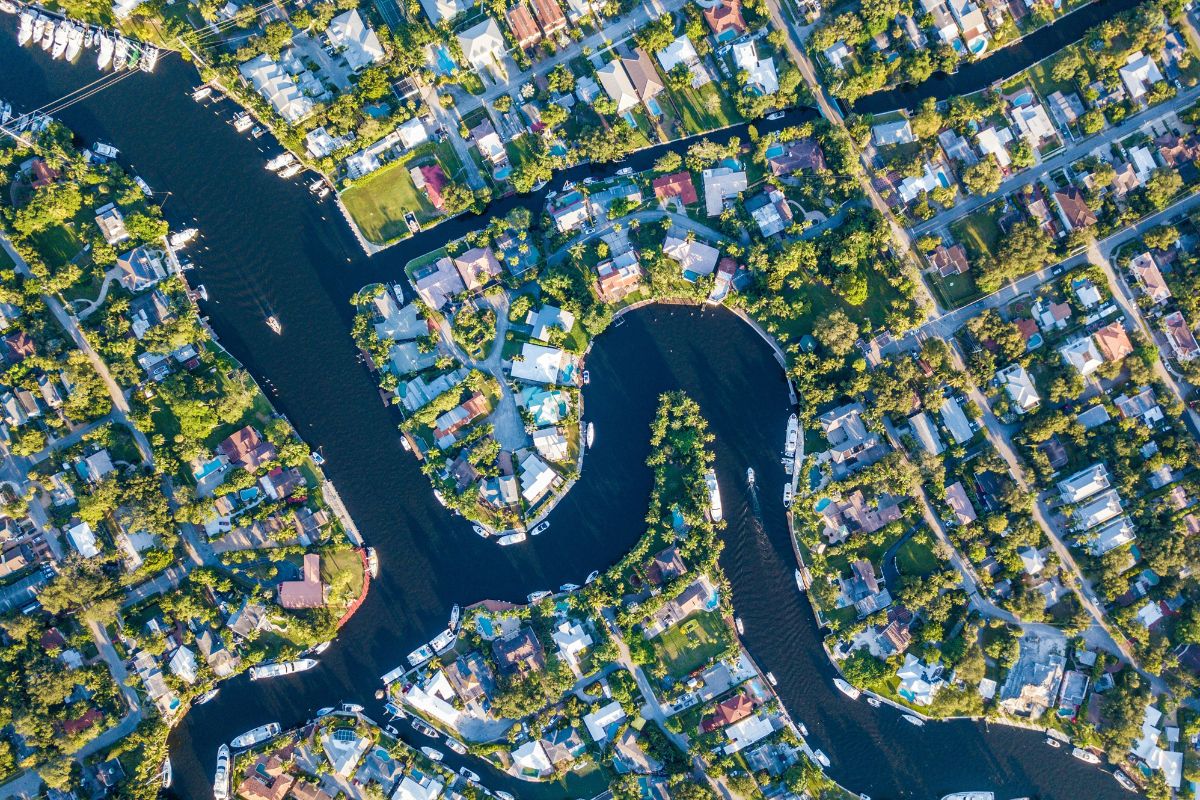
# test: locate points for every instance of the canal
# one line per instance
(269, 247)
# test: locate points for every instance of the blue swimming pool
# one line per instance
(774, 151)
(822, 504)
(445, 64)
(1023, 99)
(653, 107)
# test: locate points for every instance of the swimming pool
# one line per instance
(822, 504)
(445, 63)
(774, 151)
(1023, 99)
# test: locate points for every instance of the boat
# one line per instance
(372, 562)
(317, 649)
(625, 171)
(419, 656)
(257, 131)
(912, 719)
(404, 443)
(135, 53)
(512, 538)
(456, 746)
(800, 726)
(74, 42)
(393, 674)
(291, 170)
(787, 495)
(89, 38)
(25, 27)
(280, 161)
(105, 150)
(789, 465)
(325, 712)
(471, 777)
(432, 754)
(443, 641)
(120, 53)
(221, 779)
(821, 758)
(1125, 781)
(540, 528)
(104, 55)
(482, 531)
(538, 596)
(145, 187)
(352, 708)
(180, 239)
(394, 711)
(1050, 740)
(61, 34)
(455, 614)
(846, 689)
(168, 774)
(204, 698)
(800, 580)
(591, 577)
(273, 324)
(771, 678)
(316, 185)
(750, 477)
(586, 376)
(242, 121)
(390, 730)
(421, 726)
(48, 35)
(259, 734)
(1086, 756)
(874, 702)
(737, 622)
(591, 435)
(317, 458)
(323, 192)
(970, 796)
(281, 668)
(568, 587)
(202, 292)
(714, 496)
(793, 436)
(149, 58)
(503, 795)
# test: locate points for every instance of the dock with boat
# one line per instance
(67, 39)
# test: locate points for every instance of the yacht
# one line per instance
(280, 161)
(1055, 743)
(455, 614)
(516, 537)
(737, 622)
(750, 477)
(432, 754)
(419, 656)
(874, 702)
(537, 597)
(568, 587)
(105, 53)
(846, 689)
(714, 496)
(456, 746)
(61, 34)
(821, 758)
(168, 774)
(587, 377)
(970, 796)
(202, 93)
(503, 795)
(771, 678)
(281, 668)
(25, 27)
(912, 719)
(793, 436)
(591, 577)
(421, 726)
(273, 324)
(204, 698)
(221, 779)
(242, 121)
(787, 495)
(316, 650)
(259, 734)
(541, 527)
(1086, 756)
(591, 434)
(74, 42)
(48, 34)
(1125, 781)
(105, 150)
(471, 777)
(291, 170)
(443, 641)
(800, 580)
(479, 529)
(180, 239)
(324, 712)
(372, 562)
(352, 708)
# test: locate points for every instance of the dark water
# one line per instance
(269, 248)
(1000, 65)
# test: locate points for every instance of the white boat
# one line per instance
(274, 324)
(168, 774)
(105, 150)
(800, 726)
(540, 528)
(61, 34)
(568, 587)
(432, 754)
(104, 55)
(291, 170)
(74, 42)
(316, 650)
(1055, 743)
(537, 597)
(443, 641)
(793, 436)
(48, 34)
(455, 615)
(145, 187)
(323, 192)
(202, 93)
(625, 171)
(204, 698)
(180, 239)
(120, 52)
(419, 656)
(259, 734)
(482, 531)
(202, 292)
(771, 678)
(242, 121)
(1087, 756)
(281, 668)
(1125, 781)
(737, 623)
(846, 689)
(591, 435)
(280, 161)
(874, 702)
(25, 27)
(316, 185)
(587, 377)
(787, 495)
(393, 675)
(503, 795)
(512, 538)
(149, 58)
(221, 779)
(800, 580)
(591, 577)
(421, 726)
(324, 712)
(750, 477)
(970, 796)
(456, 745)
(257, 131)
(471, 777)
(912, 719)
(352, 708)
(714, 496)
(89, 38)
(372, 562)
(821, 758)
(38, 28)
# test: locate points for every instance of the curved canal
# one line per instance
(269, 248)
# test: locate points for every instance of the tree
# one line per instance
(553, 115)
(837, 332)
(982, 178)
(1161, 237)
(1161, 187)
(502, 103)
(669, 161)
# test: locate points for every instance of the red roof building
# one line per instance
(949, 260)
(246, 449)
(550, 15)
(524, 29)
(306, 593)
(733, 710)
(43, 174)
(435, 181)
(678, 184)
(724, 16)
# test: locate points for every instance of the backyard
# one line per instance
(692, 643)
(378, 203)
(978, 232)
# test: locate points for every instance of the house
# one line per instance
(645, 78)
(889, 133)
(531, 761)
(1032, 561)
(416, 785)
(488, 141)
(183, 664)
(1111, 536)
(926, 433)
(919, 682)
(956, 422)
(942, 22)
(276, 86)
(436, 283)
(439, 10)
(572, 641)
(854, 515)
(994, 142)
(1033, 682)
(930, 179)
(550, 16)
(1139, 74)
(747, 732)
(1143, 163)
(721, 183)
(1179, 335)
(1097, 509)
(148, 311)
(1020, 388)
(760, 74)
(680, 51)
(665, 566)
(524, 30)
(1033, 123)
(519, 653)
(617, 85)
(960, 504)
(1086, 292)
(1142, 406)
(449, 424)
(477, 267)
(677, 184)
(1073, 209)
(838, 54)
(541, 364)
(95, 466)
(787, 158)
(847, 433)
(1145, 270)
(140, 268)
(112, 224)
(725, 17)
(83, 540)
(1083, 355)
(618, 276)
(1125, 179)
(548, 319)
(471, 677)
(551, 445)
(536, 478)
(309, 592)
(696, 259)
(1065, 108)
(770, 212)
(950, 260)
(358, 43)
(483, 46)
(1113, 342)
(246, 449)
(1084, 484)
(603, 721)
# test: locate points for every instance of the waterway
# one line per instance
(269, 247)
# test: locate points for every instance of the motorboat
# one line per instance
(180, 239)
(800, 726)
(120, 52)
(419, 656)
(793, 436)
(221, 778)
(1055, 743)
(846, 689)
(443, 641)
(423, 727)
(204, 698)
(591, 577)
(48, 35)
(281, 668)
(74, 42)
(149, 58)
(89, 38)
(280, 161)
(912, 719)
(540, 528)
(1086, 756)
(291, 170)
(274, 324)
(393, 674)
(105, 150)
(168, 774)
(737, 623)
(970, 796)
(260, 734)
(352, 708)
(503, 795)
(390, 730)
(145, 187)
(242, 121)
(62, 34)
(25, 27)
(394, 711)
(455, 615)
(471, 777)
(771, 678)
(874, 702)
(714, 496)
(456, 746)
(317, 458)
(821, 758)
(800, 580)
(257, 131)
(1125, 781)
(372, 562)
(750, 477)
(480, 530)
(432, 754)
(568, 587)
(325, 712)
(787, 495)
(623, 171)
(591, 435)
(586, 377)
(538, 596)
(104, 54)
(515, 537)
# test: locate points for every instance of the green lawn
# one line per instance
(1044, 82)
(378, 203)
(914, 559)
(978, 232)
(955, 290)
(692, 643)
(57, 245)
(699, 111)
(869, 316)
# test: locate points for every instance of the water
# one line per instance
(268, 247)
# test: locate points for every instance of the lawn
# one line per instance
(915, 559)
(342, 570)
(57, 244)
(978, 232)
(955, 290)
(1044, 82)
(378, 203)
(699, 111)
(692, 643)
(869, 316)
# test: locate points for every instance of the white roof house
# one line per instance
(1139, 74)
(1034, 123)
(425, 788)
(899, 132)
(918, 681)
(837, 54)
(761, 73)
(183, 664)
(1020, 387)
(572, 640)
(598, 722)
(277, 87)
(483, 45)
(910, 188)
(539, 364)
(550, 317)
(83, 540)
(992, 142)
(1084, 484)
(123, 8)
(1143, 162)
(551, 444)
(955, 420)
(720, 183)
(536, 478)
(439, 10)
(1111, 536)
(746, 732)
(358, 42)
(412, 133)
(616, 83)
(1083, 355)
(694, 256)
(531, 759)
(680, 51)
(926, 433)
(1098, 509)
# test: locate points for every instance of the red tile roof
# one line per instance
(725, 15)
(678, 184)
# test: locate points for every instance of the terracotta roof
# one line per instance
(524, 29)
(550, 15)
(435, 181)
(724, 16)
(1113, 342)
(949, 260)
(677, 184)
(1075, 208)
